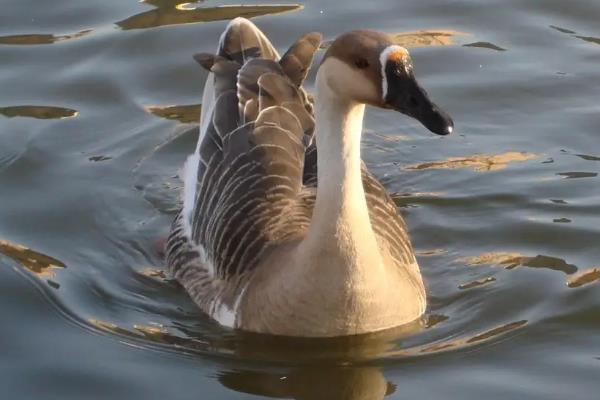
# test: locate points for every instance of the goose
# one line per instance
(278, 238)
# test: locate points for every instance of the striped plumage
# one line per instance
(249, 194)
(251, 185)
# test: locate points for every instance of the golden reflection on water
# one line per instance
(154, 273)
(477, 162)
(39, 264)
(408, 199)
(467, 341)
(168, 3)
(439, 37)
(348, 350)
(424, 38)
(34, 38)
(500, 330)
(477, 283)
(584, 277)
(431, 253)
(185, 113)
(39, 112)
(514, 260)
(177, 13)
(332, 368)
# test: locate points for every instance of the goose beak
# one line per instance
(408, 97)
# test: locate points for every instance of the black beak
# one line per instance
(405, 95)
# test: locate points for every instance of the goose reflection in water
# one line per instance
(340, 368)
(312, 383)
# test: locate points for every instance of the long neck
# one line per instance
(340, 225)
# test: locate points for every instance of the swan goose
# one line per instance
(266, 241)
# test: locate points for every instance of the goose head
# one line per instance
(367, 67)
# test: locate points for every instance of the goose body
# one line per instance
(275, 236)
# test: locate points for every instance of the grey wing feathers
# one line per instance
(242, 41)
(245, 195)
(298, 59)
(247, 85)
(249, 183)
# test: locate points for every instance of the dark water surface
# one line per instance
(98, 101)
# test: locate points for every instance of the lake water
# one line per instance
(98, 101)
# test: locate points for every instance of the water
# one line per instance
(97, 105)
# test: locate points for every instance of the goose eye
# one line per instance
(361, 63)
